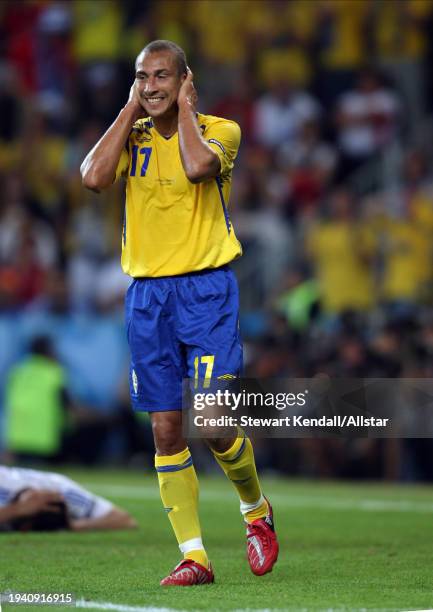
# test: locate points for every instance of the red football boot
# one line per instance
(262, 545)
(189, 573)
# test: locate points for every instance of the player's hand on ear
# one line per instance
(134, 101)
(187, 92)
(32, 501)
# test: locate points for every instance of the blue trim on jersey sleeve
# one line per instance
(124, 226)
(223, 204)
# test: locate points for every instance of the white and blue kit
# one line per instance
(80, 503)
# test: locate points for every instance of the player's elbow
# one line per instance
(91, 185)
(91, 182)
(195, 177)
(206, 169)
(92, 179)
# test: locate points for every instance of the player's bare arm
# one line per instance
(115, 519)
(98, 170)
(199, 161)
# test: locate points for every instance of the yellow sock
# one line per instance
(239, 466)
(178, 486)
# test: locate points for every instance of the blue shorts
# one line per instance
(181, 327)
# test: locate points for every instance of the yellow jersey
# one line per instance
(341, 253)
(171, 225)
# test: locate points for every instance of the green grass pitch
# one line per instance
(342, 546)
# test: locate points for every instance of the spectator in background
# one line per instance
(22, 277)
(97, 32)
(341, 250)
(262, 196)
(367, 121)
(408, 256)
(19, 41)
(398, 37)
(267, 232)
(18, 223)
(281, 113)
(386, 350)
(90, 244)
(53, 56)
(91, 235)
(43, 158)
(279, 38)
(36, 404)
(351, 359)
(222, 45)
(43, 425)
(297, 300)
(339, 46)
(28, 247)
(238, 105)
(310, 164)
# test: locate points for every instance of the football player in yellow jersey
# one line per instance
(182, 306)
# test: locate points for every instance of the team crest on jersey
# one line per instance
(142, 132)
(134, 382)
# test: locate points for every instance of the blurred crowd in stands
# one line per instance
(332, 191)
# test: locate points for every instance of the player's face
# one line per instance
(158, 82)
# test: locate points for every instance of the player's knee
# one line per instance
(167, 436)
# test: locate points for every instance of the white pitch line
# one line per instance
(287, 501)
(105, 605)
(101, 605)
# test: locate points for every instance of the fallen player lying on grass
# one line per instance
(31, 500)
